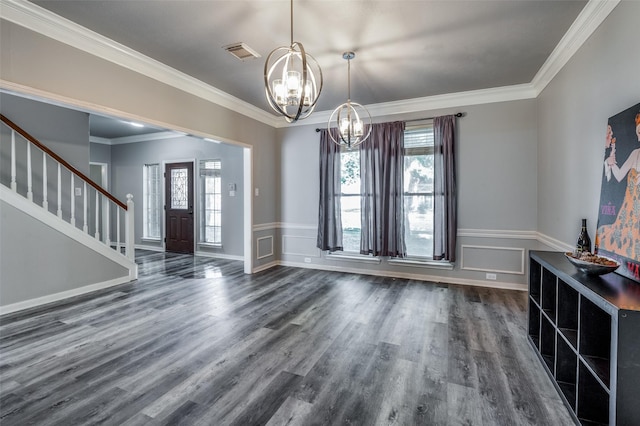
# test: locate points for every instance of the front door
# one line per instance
(179, 207)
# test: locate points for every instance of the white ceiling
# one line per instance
(404, 49)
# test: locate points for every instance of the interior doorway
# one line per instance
(179, 207)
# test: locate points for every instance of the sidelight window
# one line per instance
(418, 191)
(152, 201)
(211, 214)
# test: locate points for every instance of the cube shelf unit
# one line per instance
(586, 331)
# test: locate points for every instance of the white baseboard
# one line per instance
(150, 248)
(39, 301)
(218, 255)
(265, 266)
(417, 277)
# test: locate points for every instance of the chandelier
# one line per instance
(352, 119)
(292, 80)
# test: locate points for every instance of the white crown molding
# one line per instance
(51, 25)
(136, 138)
(101, 141)
(589, 19)
(38, 19)
(449, 100)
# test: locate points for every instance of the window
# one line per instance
(152, 201)
(418, 194)
(350, 199)
(211, 217)
(418, 191)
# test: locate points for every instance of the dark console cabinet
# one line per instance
(586, 331)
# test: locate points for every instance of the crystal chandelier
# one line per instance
(352, 119)
(292, 80)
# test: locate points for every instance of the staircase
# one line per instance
(89, 233)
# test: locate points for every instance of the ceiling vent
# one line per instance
(241, 51)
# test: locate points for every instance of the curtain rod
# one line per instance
(458, 114)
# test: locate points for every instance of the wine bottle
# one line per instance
(584, 242)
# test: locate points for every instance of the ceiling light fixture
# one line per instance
(352, 119)
(292, 80)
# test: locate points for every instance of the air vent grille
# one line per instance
(241, 51)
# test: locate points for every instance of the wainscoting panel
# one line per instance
(506, 260)
(264, 247)
(297, 245)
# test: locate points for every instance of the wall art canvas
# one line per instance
(618, 233)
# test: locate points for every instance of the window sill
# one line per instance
(422, 263)
(353, 257)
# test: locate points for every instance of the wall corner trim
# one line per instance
(589, 19)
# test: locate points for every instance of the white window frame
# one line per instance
(427, 149)
(216, 173)
(148, 210)
(343, 195)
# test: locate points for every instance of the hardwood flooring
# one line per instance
(196, 342)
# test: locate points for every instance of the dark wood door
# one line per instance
(179, 207)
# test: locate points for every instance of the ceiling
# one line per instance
(404, 49)
(112, 128)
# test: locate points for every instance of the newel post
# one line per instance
(129, 234)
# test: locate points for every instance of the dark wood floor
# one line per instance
(195, 341)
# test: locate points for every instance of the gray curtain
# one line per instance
(382, 189)
(444, 189)
(329, 217)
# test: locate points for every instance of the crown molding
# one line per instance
(449, 100)
(101, 141)
(42, 21)
(137, 138)
(589, 19)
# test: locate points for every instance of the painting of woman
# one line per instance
(621, 236)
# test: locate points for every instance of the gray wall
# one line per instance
(64, 131)
(87, 80)
(497, 164)
(99, 153)
(602, 79)
(524, 166)
(127, 163)
(31, 251)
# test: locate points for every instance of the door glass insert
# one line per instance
(179, 189)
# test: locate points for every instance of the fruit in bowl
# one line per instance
(592, 264)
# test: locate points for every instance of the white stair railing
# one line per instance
(107, 211)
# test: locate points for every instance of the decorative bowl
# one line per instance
(592, 268)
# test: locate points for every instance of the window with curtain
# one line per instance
(152, 201)
(378, 218)
(418, 191)
(407, 214)
(211, 211)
